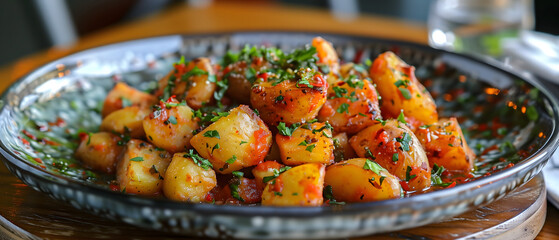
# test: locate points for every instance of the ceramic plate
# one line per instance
(509, 120)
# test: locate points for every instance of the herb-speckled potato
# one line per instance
(265, 169)
(361, 180)
(122, 96)
(351, 106)
(289, 102)
(446, 146)
(400, 90)
(126, 121)
(326, 54)
(394, 146)
(99, 151)
(299, 186)
(238, 140)
(240, 190)
(193, 81)
(187, 181)
(141, 168)
(310, 143)
(170, 126)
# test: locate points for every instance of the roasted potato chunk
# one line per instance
(299, 186)
(141, 168)
(446, 146)
(122, 96)
(342, 148)
(170, 126)
(193, 82)
(310, 143)
(238, 140)
(394, 146)
(326, 54)
(187, 181)
(361, 180)
(351, 106)
(99, 151)
(289, 101)
(126, 121)
(265, 169)
(401, 91)
(240, 190)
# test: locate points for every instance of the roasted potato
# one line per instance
(186, 181)
(288, 101)
(238, 140)
(265, 169)
(193, 82)
(326, 54)
(342, 148)
(401, 91)
(240, 190)
(299, 186)
(122, 96)
(351, 106)
(445, 145)
(243, 73)
(170, 126)
(310, 143)
(126, 121)
(141, 168)
(394, 146)
(99, 151)
(361, 180)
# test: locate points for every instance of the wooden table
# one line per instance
(222, 16)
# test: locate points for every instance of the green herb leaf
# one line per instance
(328, 194)
(408, 171)
(401, 118)
(373, 166)
(200, 161)
(310, 147)
(405, 93)
(212, 134)
(231, 160)
(405, 141)
(395, 157)
(137, 159)
(172, 120)
(344, 107)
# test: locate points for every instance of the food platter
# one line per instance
(87, 73)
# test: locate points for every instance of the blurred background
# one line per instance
(30, 26)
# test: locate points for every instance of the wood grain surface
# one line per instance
(33, 209)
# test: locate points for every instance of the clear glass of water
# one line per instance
(477, 26)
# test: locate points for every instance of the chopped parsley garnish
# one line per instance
(125, 102)
(354, 82)
(216, 146)
(339, 92)
(425, 126)
(381, 180)
(200, 161)
(173, 104)
(328, 194)
(395, 157)
(405, 93)
(383, 122)
(408, 171)
(303, 143)
(279, 98)
(137, 159)
(373, 166)
(401, 118)
(250, 74)
(234, 186)
(287, 131)
(276, 174)
(194, 72)
(212, 134)
(238, 174)
(436, 173)
(231, 160)
(219, 115)
(172, 120)
(344, 107)
(310, 147)
(243, 142)
(369, 154)
(405, 141)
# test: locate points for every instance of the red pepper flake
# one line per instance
(49, 142)
(405, 185)
(453, 184)
(209, 197)
(24, 141)
(43, 167)
(114, 187)
(38, 160)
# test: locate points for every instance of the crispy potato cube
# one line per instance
(190, 81)
(400, 90)
(236, 74)
(299, 186)
(122, 96)
(126, 121)
(240, 190)
(342, 148)
(170, 126)
(186, 181)
(141, 168)
(288, 101)
(238, 140)
(351, 108)
(351, 182)
(99, 151)
(446, 146)
(394, 146)
(265, 169)
(312, 145)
